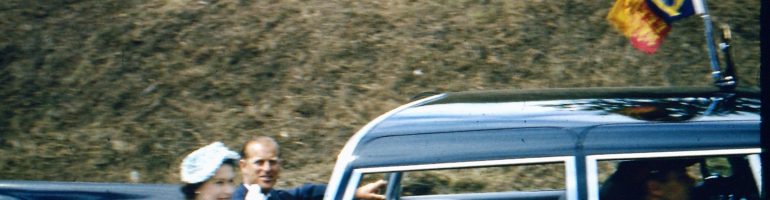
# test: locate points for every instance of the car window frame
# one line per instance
(592, 162)
(570, 170)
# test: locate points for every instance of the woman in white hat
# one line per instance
(209, 172)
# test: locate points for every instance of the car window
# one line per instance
(507, 180)
(706, 177)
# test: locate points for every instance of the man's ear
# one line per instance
(654, 188)
(242, 164)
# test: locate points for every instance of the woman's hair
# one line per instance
(189, 189)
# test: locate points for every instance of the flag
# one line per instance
(671, 10)
(639, 23)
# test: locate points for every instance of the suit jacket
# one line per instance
(304, 192)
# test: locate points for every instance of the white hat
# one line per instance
(201, 164)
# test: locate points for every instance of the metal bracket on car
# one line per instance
(728, 81)
(725, 80)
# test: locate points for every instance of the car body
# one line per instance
(31, 190)
(578, 135)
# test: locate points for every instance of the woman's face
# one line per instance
(219, 186)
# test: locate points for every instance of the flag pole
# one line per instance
(702, 10)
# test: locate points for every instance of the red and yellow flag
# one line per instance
(641, 25)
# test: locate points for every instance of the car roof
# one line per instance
(511, 124)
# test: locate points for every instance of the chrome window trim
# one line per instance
(592, 170)
(465, 164)
(346, 155)
(350, 189)
(570, 170)
(756, 169)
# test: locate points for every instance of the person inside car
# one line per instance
(209, 172)
(261, 168)
(649, 180)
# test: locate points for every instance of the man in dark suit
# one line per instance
(261, 166)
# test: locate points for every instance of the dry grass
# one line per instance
(93, 90)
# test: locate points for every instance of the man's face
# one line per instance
(676, 187)
(260, 165)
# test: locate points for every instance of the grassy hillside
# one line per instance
(93, 90)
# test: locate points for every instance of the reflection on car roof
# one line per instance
(468, 126)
